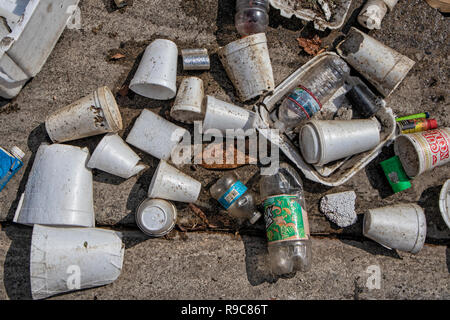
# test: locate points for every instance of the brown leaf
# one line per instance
(201, 215)
(117, 56)
(310, 46)
(123, 91)
(210, 152)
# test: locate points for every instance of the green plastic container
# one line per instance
(395, 174)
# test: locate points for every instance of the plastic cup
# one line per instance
(372, 14)
(171, 184)
(156, 217)
(155, 135)
(69, 259)
(94, 114)
(323, 141)
(247, 63)
(395, 174)
(59, 189)
(401, 227)
(195, 59)
(156, 75)
(222, 115)
(188, 106)
(382, 66)
(423, 151)
(114, 156)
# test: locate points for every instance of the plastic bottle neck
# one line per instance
(253, 4)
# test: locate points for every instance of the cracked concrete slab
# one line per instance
(222, 266)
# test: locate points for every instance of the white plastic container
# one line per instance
(334, 174)
(24, 48)
(390, 3)
(94, 114)
(171, 184)
(59, 189)
(323, 141)
(155, 135)
(69, 259)
(372, 14)
(401, 227)
(382, 66)
(247, 63)
(195, 59)
(156, 217)
(222, 115)
(114, 156)
(423, 151)
(444, 202)
(188, 106)
(288, 8)
(156, 75)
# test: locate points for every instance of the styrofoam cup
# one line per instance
(222, 115)
(390, 3)
(372, 14)
(94, 114)
(382, 66)
(423, 151)
(188, 106)
(402, 227)
(247, 63)
(114, 156)
(156, 75)
(171, 184)
(69, 259)
(444, 202)
(155, 135)
(323, 141)
(156, 217)
(59, 189)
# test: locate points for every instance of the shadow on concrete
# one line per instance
(376, 176)
(256, 261)
(16, 275)
(372, 248)
(429, 201)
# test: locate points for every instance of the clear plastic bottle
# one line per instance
(286, 220)
(234, 196)
(251, 16)
(315, 88)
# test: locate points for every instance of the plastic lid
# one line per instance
(309, 144)
(15, 151)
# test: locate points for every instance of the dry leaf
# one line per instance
(310, 46)
(210, 152)
(124, 91)
(117, 56)
(201, 215)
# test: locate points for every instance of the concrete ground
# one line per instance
(202, 263)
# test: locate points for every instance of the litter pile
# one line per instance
(302, 116)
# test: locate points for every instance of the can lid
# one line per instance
(156, 217)
(15, 151)
(309, 143)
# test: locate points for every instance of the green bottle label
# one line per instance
(285, 219)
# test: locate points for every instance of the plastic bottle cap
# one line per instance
(309, 143)
(15, 151)
(153, 219)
